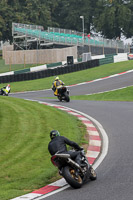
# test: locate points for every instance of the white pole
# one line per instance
(82, 17)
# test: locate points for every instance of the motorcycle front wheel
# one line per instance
(67, 98)
(72, 178)
(93, 175)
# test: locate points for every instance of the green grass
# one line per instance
(73, 78)
(24, 136)
(0, 54)
(7, 68)
(125, 94)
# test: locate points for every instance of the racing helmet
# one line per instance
(8, 85)
(54, 133)
(56, 78)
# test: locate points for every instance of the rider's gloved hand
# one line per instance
(82, 150)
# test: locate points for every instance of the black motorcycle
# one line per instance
(74, 174)
(63, 93)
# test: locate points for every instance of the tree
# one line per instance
(38, 13)
(10, 11)
(5, 17)
(67, 14)
(26, 12)
(128, 27)
(112, 17)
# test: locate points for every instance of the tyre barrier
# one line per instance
(49, 72)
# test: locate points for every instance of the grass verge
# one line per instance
(24, 159)
(73, 78)
(125, 94)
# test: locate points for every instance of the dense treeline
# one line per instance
(111, 18)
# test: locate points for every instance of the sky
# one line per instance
(127, 41)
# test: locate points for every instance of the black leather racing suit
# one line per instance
(58, 144)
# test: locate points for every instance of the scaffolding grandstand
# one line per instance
(35, 37)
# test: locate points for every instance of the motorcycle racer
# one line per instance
(56, 84)
(72, 165)
(58, 144)
(5, 90)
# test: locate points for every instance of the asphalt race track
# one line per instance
(115, 177)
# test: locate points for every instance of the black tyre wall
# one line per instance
(49, 72)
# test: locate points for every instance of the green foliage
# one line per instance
(110, 17)
(28, 11)
(113, 17)
(70, 12)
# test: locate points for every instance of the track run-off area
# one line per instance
(115, 177)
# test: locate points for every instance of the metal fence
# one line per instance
(98, 40)
(65, 31)
(25, 26)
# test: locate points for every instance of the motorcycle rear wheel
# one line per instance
(72, 178)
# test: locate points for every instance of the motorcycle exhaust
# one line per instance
(74, 163)
(62, 155)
